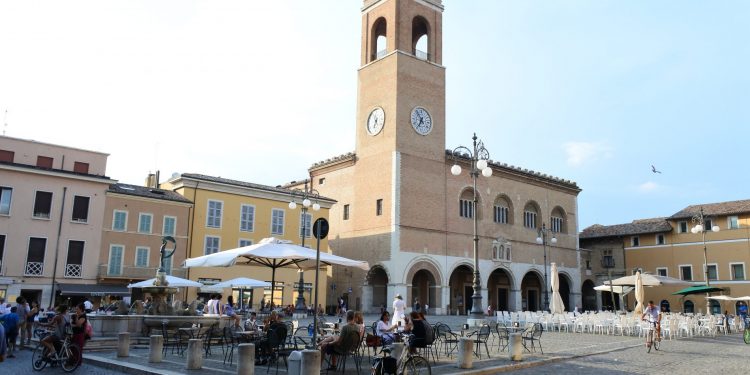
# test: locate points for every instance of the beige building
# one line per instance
(400, 208)
(229, 214)
(668, 247)
(136, 218)
(51, 212)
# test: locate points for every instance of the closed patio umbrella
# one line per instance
(557, 307)
(639, 293)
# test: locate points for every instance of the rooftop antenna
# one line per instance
(5, 122)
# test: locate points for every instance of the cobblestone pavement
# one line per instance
(720, 355)
(21, 365)
(563, 353)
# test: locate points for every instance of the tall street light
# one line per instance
(478, 156)
(700, 227)
(543, 240)
(304, 196)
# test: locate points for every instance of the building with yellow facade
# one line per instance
(228, 214)
(673, 246)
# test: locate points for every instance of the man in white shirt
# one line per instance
(88, 306)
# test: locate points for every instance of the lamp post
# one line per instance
(700, 227)
(478, 157)
(542, 240)
(305, 196)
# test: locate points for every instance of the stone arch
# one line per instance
(500, 283)
(420, 37)
(588, 295)
(379, 36)
(532, 290)
(531, 208)
(566, 285)
(378, 279)
(502, 200)
(460, 284)
(425, 281)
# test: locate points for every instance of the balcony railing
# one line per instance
(74, 271)
(34, 269)
(133, 272)
(422, 55)
(608, 261)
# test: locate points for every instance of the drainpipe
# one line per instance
(57, 249)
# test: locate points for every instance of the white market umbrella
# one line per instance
(274, 253)
(241, 282)
(647, 279)
(619, 289)
(557, 307)
(639, 294)
(172, 281)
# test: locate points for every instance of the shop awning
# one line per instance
(697, 289)
(94, 290)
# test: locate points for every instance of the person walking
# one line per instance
(399, 308)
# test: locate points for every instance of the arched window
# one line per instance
(501, 211)
(557, 221)
(688, 307)
(379, 35)
(420, 31)
(530, 213)
(466, 204)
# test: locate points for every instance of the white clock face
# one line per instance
(375, 121)
(421, 120)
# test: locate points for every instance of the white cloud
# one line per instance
(648, 187)
(580, 153)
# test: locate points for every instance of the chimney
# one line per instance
(150, 180)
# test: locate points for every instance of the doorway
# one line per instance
(502, 299)
(532, 299)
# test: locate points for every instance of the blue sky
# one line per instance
(591, 91)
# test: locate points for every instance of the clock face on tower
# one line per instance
(375, 121)
(421, 120)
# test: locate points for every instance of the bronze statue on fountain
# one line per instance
(161, 288)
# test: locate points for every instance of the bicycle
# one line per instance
(408, 364)
(654, 329)
(67, 355)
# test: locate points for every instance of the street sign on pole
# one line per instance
(320, 228)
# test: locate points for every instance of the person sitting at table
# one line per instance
(422, 334)
(342, 343)
(385, 331)
(252, 322)
(359, 320)
(275, 334)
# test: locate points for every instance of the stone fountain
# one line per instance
(160, 313)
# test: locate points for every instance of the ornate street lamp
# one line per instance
(542, 240)
(700, 227)
(305, 230)
(478, 156)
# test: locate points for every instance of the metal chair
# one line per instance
(480, 338)
(534, 335)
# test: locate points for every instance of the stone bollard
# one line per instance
(465, 353)
(195, 354)
(123, 344)
(155, 347)
(515, 347)
(310, 362)
(246, 359)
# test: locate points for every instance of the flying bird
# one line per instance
(653, 169)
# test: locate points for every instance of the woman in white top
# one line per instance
(384, 330)
(399, 307)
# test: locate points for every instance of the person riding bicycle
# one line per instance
(58, 323)
(654, 317)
